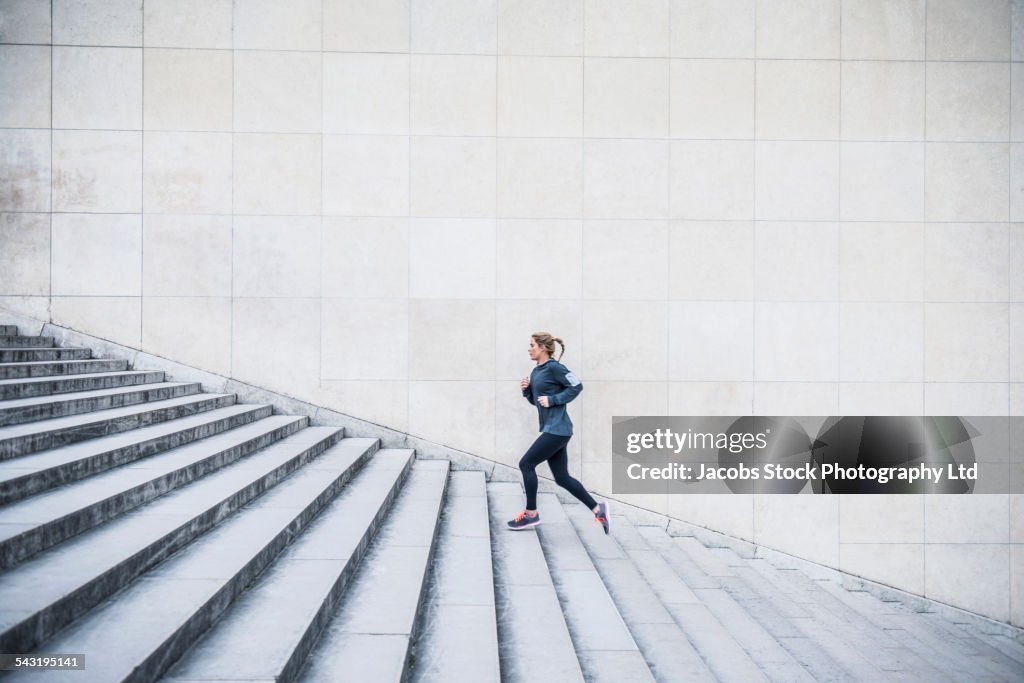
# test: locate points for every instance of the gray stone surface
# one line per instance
(44, 386)
(984, 656)
(679, 591)
(459, 639)
(459, 577)
(24, 355)
(460, 645)
(20, 411)
(759, 640)
(709, 537)
(775, 661)
(30, 474)
(386, 592)
(47, 368)
(844, 645)
(156, 619)
(914, 632)
(67, 580)
(976, 623)
(594, 622)
(8, 341)
(139, 621)
(693, 575)
(925, 642)
(615, 665)
(533, 639)
(708, 562)
(363, 657)
(666, 649)
(29, 438)
(1008, 646)
(70, 510)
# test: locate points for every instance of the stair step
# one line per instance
(48, 368)
(678, 583)
(533, 639)
(459, 639)
(30, 474)
(8, 330)
(265, 500)
(695, 577)
(23, 355)
(851, 645)
(604, 646)
(342, 599)
(11, 389)
(13, 341)
(33, 437)
(32, 525)
(779, 649)
(776, 662)
(979, 658)
(708, 562)
(913, 631)
(986, 657)
(804, 650)
(666, 649)
(1008, 646)
(271, 628)
(49, 590)
(21, 411)
(850, 656)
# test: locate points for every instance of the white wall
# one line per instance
(724, 206)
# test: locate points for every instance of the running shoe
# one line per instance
(523, 520)
(603, 516)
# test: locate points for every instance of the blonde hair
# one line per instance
(547, 342)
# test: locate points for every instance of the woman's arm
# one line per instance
(569, 380)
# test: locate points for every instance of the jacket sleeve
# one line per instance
(528, 395)
(569, 380)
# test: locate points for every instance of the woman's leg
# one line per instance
(559, 463)
(541, 449)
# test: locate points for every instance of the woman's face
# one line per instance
(534, 350)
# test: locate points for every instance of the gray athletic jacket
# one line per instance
(554, 380)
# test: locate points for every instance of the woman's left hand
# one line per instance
(543, 400)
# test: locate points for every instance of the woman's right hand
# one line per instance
(524, 382)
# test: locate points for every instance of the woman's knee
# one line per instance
(525, 465)
(565, 480)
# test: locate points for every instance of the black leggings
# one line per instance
(551, 447)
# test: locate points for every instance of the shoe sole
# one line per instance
(525, 526)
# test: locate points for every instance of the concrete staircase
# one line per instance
(175, 535)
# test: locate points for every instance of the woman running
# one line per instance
(550, 387)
